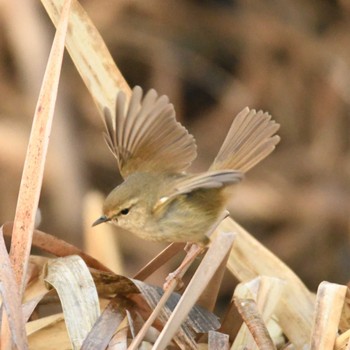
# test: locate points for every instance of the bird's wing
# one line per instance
(145, 136)
(190, 183)
(250, 139)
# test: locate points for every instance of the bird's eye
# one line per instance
(124, 211)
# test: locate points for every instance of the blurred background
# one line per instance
(213, 58)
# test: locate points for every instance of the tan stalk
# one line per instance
(266, 292)
(329, 304)
(164, 256)
(249, 259)
(90, 55)
(252, 318)
(32, 176)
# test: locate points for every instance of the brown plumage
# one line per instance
(158, 200)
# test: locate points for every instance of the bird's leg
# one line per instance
(188, 246)
(193, 250)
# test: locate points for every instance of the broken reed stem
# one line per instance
(328, 309)
(252, 318)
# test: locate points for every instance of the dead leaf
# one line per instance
(33, 170)
(76, 290)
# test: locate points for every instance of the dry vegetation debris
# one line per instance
(270, 307)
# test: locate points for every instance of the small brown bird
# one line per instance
(158, 201)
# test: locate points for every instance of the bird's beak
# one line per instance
(100, 220)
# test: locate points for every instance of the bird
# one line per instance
(158, 199)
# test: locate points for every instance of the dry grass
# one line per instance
(73, 300)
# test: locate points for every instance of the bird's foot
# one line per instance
(193, 250)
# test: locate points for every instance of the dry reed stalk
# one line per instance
(329, 304)
(165, 255)
(252, 318)
(293, 304)
(90, 55)
(29, 192)
(28, 197)
(266, 292)
(250, 259)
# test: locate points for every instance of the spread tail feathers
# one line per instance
(250, 139)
